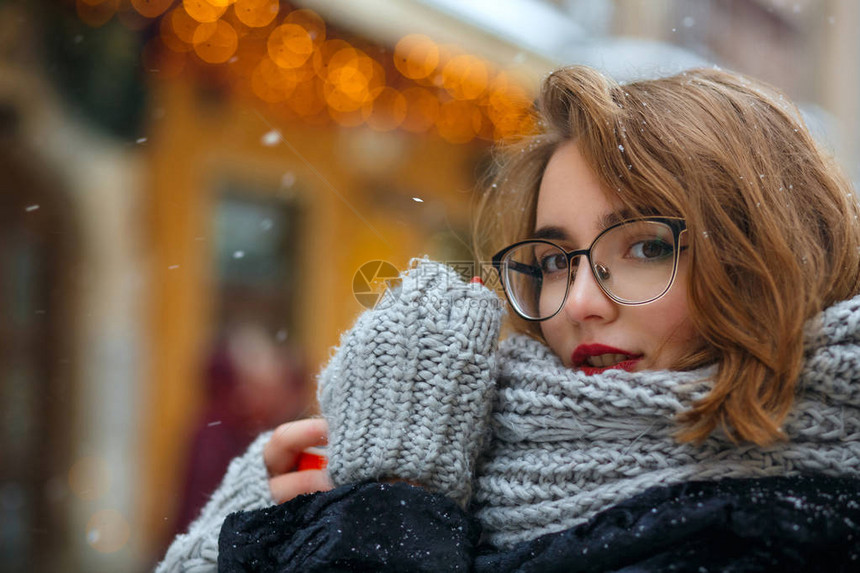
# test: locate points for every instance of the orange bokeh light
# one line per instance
(151, 8)
(272, 83)
(351, 118)
(203, 11)
(352, 78)
(323, 55)
(416, 56)
(183, 25)
(422, 109)
(290, 61)
(389, 110)
(458, 121)
(256, 13)
(96, 14)
(465, 77)
(503, 91)
(290, 45)
(215, 42)
(310, 21)
(307, 100)
(241, 29)
(169, 36)
(304, 72)
(242, 65)
(108, 531)
(508, 107)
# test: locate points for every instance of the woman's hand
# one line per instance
(281, 455)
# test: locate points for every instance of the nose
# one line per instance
(586, 301)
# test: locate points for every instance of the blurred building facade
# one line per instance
(171, 193)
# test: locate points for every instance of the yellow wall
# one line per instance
(344, 180)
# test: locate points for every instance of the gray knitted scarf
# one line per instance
(418, 390)
(567, 445)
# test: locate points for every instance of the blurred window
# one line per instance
(256, 252)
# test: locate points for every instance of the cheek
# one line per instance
(553, 331)
(673, 333)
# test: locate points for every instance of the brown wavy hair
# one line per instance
(772, 221)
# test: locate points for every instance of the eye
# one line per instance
(552, 263)
(650, 250)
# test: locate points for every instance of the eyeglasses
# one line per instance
(634, 262)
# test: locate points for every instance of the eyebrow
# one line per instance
(550, 233)
(554, 232)
(615, 217)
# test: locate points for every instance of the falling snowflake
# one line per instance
(271, 138)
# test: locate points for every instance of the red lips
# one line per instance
(583, 352)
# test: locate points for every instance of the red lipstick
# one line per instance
(583, 352)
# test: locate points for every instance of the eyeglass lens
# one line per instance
(633, 263)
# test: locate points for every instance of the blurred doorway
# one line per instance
(36, 380)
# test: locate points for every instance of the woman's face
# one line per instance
(592, 332)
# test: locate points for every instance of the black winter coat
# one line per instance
(784, 524)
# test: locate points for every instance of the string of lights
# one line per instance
(290, 60)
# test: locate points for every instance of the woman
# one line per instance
(681, 392)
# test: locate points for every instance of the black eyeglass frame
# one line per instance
(676, 224)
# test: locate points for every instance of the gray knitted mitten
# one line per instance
(408, 393)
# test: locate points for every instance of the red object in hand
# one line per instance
(312, 459)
